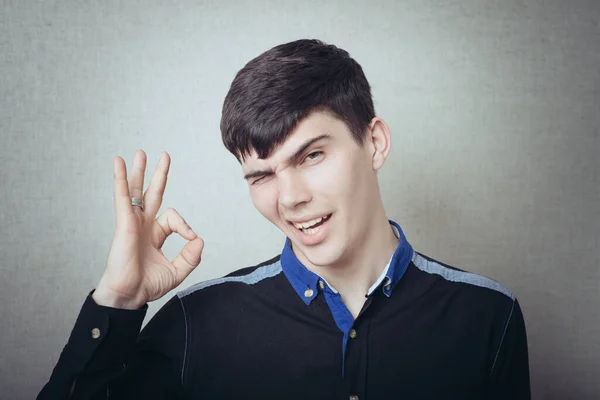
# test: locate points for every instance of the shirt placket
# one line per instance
(357, 354)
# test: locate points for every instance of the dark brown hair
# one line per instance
(280, 87)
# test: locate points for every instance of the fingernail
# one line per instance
(191, 232)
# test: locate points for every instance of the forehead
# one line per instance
(316, 124)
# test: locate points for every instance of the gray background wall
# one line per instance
(494, 108)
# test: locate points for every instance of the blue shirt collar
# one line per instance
(306, 282)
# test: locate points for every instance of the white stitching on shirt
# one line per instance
(502, 340)
(186, 340)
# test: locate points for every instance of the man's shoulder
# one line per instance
(453, 278)
(240, 278)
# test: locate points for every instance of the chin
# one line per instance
(322, 256)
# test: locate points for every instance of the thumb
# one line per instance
(188, 258)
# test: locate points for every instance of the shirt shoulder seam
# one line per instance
(455, 275)
(252, 278)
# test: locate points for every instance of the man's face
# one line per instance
(329, 187)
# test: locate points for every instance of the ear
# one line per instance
(380, 142)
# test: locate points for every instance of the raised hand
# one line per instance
(137, 271)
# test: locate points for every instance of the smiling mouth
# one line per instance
(311, 227)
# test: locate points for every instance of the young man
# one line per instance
(348, 310)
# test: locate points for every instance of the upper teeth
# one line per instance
(307, 224)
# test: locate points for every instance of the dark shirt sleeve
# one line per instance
(106, 356)
(510, 371)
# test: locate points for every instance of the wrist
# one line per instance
(107, 298)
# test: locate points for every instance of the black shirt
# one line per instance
(277, 330)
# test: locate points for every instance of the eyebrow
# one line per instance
(294, 158)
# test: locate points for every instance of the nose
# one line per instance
(293, 189)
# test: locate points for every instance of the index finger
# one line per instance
(123, 206)
(154, 194)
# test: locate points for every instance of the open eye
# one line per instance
(313, 155)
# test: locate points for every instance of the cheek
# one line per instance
(342, 179)
(352, 187)
(265, 203)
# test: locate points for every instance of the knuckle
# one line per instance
(165, 232)
(186, 256)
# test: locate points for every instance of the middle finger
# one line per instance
(154, 194)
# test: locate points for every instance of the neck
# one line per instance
(353, 275)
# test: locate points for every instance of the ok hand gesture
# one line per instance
(137, 271)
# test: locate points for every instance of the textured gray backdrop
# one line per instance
(494, 108)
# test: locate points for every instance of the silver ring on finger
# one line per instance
(136, 201)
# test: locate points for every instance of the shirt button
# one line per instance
(353, 397)
(95, 333)
(387, 287)
(353, 335)
(322, 285)
(308, 293)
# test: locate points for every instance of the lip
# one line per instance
(312, 240)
